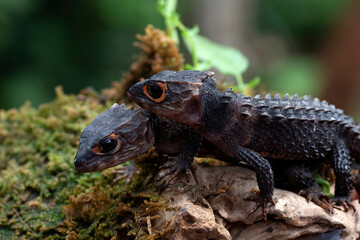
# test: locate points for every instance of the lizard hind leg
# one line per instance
(302, 176)
(341, 164)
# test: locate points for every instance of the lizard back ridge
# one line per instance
(301, 109)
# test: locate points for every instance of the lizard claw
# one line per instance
(316, 196)
(126, 172)
(175, 168)
(260, 202)
(344, 202)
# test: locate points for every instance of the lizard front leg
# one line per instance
(125, 172)
(264, 175)
(341, 163)
(181, 163)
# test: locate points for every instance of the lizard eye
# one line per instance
(155, 91)
(107, 145)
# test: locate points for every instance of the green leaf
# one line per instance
(324, 185)
(205, 53)
(170, 7)
(227, 60)
(168, 10)
(254, 82)
(202, 66)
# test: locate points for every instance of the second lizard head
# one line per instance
(114, 137)
(171, 94)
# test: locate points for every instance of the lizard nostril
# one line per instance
(131, 91)
(78, 163)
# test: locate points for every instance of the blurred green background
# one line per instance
(84, 43)
(70, 43)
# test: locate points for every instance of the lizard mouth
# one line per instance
(132, 93)
(80, 167)
(83, 165)
(137, 94)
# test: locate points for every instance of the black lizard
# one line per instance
(252, 129)
(118, 135)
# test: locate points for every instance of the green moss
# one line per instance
(36, 162)
(37, 149)
(42, 196)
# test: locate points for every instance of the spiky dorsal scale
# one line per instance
(286, 97)
(305, 109)
(277, 97)
(257, 96)
(356, 130)
(246, 106)
(314, 112)
(306, 98)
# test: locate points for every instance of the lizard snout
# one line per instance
(78, 163)
(131, 92)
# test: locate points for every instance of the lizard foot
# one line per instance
(127, 172)
(174, 168)
(320, 199)
(343, 201)
(261, 201)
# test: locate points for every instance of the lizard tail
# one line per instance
(355, 142)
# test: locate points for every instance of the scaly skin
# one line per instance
(139, 131)
(129, 130)
(251, 130)
(135, 132)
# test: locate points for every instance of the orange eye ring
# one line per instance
(107, 145)
(156, 92)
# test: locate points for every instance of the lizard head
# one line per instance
(114, 137)
(171, 94)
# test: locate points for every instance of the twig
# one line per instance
(22, 220)
(148, 221)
